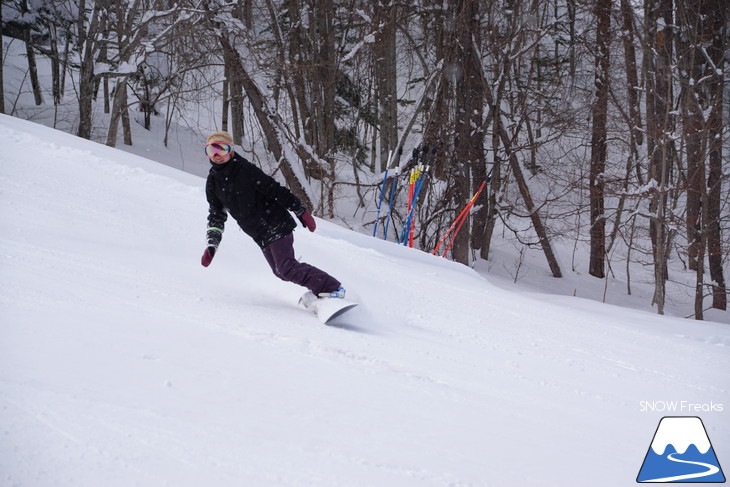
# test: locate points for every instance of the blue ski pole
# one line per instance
(419, 185)
(407, 230)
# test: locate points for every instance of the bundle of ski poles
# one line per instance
(416, 179)
(458, 223)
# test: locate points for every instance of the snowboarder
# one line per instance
(259, 205)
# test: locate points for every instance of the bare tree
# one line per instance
(716, 14)
(516, 41)
(89, 24)
(269, 121)
(457, 110)
(700, 54)
(27, 29)
(632, 78)
(598, 140)
(124, 16)
(385, 19)
(715, 65)
(141, 29)
(305, 68)
(658, 57)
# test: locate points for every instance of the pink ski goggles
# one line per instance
(218, 149)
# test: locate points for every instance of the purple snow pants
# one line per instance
(280, 256)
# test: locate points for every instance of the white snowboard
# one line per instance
(326, 309)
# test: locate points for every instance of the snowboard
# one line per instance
(326, 309)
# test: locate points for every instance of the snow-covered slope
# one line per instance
(124, 362)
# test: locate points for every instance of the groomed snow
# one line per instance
(124, 362)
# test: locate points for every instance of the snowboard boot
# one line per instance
(308, 300)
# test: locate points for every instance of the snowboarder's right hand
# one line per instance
(308, 220)
(207, 256)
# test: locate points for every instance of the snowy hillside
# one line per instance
(124, 362)
(512, 265)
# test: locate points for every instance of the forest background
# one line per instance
(596, 125)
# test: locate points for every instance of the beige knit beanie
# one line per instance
(220, 137)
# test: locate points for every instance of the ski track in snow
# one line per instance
(124, 362)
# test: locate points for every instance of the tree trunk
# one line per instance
(236, 102)
(87, 46)
(470, 120)
(598, 142)
(632, 79)
(226, 99)
(64, 64)
(716, 14)
(105, 82)
(325, 85)
(660, 127)
(120, 111)
(86, 95)
(534, 214)
(116, 110)
(494, 183)
(244, 12)
(386, 77)
(126, 124)
(699, 300)
(55, 66)
(30, 53)
(300, 61)
(455, 124)
(571, 49)
(714, 202)
(693, 132)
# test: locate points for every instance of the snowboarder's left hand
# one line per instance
(308, 220)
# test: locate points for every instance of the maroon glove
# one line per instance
(308, 220)
(207, 256)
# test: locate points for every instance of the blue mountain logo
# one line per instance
(681, 452)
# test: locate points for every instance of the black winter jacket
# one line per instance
(254, 199)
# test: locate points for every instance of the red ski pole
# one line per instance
(462, 216)
(453, 237)
(446, 235)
